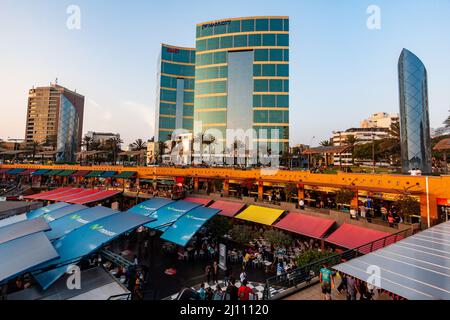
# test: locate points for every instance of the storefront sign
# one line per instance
(443, 202)
(215, 24)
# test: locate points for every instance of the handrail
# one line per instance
(303, 275)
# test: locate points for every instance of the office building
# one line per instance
(55, 120)
(415, 138)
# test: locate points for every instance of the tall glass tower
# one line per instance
(242, 81)
(415, 137)
(175, 96)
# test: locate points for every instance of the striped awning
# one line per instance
(15, 171)
(27, 172)
(108, 174)
(94, 174)
(40, 172)
(65, 173)
(126, 175)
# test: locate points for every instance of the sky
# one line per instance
(340, 70)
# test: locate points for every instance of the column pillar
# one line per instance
(260, 190)
(196, 184)
(434, 215)
(354, 203)
(226, 187)
(300, 191)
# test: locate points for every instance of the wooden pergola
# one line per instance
(132, 154)
(86, 154)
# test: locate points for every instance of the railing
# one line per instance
(123, 296)
(303, 276)
(115, 258)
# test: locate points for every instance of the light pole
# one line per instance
(373, 153)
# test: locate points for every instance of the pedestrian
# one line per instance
(215, 272)
(301, 203)
(208, 273)
(218, 293)
(202, 292)
(228, 274)
(209, 294)
(244, 291)
(327, 281)
(351, 288)
(232, 290)
(243, 275)
(343, 285)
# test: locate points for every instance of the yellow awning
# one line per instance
(260, 215)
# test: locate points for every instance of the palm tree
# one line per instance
(161, 150)
(138, 145)
(351, 141)
(237, 144)
(447, 122)
(200, 138)
(34, 147)
(209, 140)
(326, 143)
(87, 142)
(114, 145)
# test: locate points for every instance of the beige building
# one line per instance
(380, 120)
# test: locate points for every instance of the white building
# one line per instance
(102, 137)
(380, 120)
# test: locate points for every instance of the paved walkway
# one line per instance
(315, 293)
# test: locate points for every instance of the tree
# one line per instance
(160, 151)
(326, 143)
(200, 138)
(237, 144)
(344, 196)
(209, 140)
(407, 206)
(114, 146)
(278, 238)
(351, 141)
(87, 142)
(447, 122)
(34, 148)
(138, 145)
(291, 190)
(220, 226)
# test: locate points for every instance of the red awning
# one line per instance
(80, 173)
(306, 225)
(350, 236)
(229, 209)
(2, 171)
(99, 196)
(27, 172)
(76, 194)
(44, 195)
(202, 201)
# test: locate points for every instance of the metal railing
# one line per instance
(303, 276)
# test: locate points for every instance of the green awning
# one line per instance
(126, 175)
(66, 173)
(52, 173)
(166, 182)
(94, 174)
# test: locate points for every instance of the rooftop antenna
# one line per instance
(56, 80)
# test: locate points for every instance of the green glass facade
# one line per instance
(266, 41)
(176, 84)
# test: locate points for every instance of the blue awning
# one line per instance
(41, 211)
(15, 171)
(22, 228)
(171, 213)
(62, 212)
(148, 207)
(108, 174)
(71, 222)
(182, 231)
(40, 172)
(35, 250)
(86, 240)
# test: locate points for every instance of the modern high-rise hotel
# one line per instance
(241, 82)
(175, 96)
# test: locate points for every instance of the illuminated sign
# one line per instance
(215, 24)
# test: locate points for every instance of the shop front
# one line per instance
(443, 205)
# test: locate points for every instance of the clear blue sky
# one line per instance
(341, 71)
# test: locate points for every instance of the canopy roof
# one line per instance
(80, 173)
(77, 219)
(41, 211)
(66, 173)
(40, 172)
(148, 207)
(326, 150)
(45, 195)
(52, 173)
(86, 240)
(14, 152)
(416, 268)
(228, 208)
(167, 215)
(306, 225)
(182, 231)
(444, 144)
(15, 171)
(75, 195)
(94, 174)
(202, 201)
(21, 229)
(260, 215)
(35, 249)
(126, 175)
(62, 212)
(13, 219)
(108, 174)
(350, 236)
(132, 153)
(27, 172)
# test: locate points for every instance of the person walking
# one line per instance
(202, 292)
(215, 271)
(208, 273)
(326, 281)
(228, 275)
(351, 288)
(244, 291)
(243, 275)
(232, 290)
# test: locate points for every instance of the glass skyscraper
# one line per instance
(415, 137)
(242, 81)
(175, 97)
